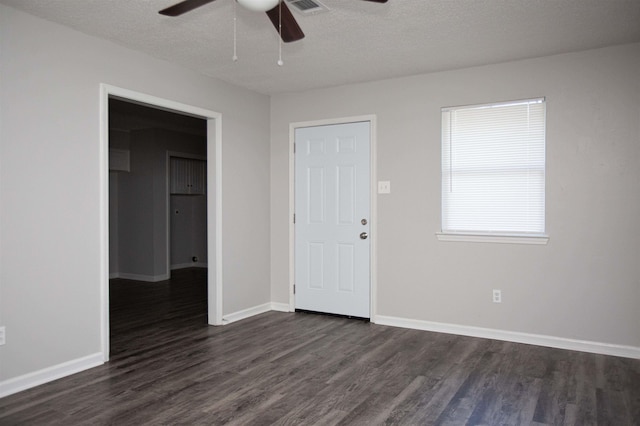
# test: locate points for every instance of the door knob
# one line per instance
(363, 236)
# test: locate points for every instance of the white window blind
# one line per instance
(493, 169)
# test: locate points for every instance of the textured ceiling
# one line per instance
(355, 41)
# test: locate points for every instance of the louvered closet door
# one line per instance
(188, 176)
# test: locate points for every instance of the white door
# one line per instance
(332, 204)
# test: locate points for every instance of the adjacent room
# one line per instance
(157, 218)
(320, 212)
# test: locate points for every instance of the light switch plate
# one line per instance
(384, 187)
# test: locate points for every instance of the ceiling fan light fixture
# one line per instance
(259, 5)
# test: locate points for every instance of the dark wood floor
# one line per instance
(168, 367)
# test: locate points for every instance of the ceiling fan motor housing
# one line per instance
(259, 5)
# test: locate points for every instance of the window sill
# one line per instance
(501, 239)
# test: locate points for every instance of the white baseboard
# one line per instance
(114, 275)
(17, 384)
(280, 307)
(256, 310)
(512, 336)
(189, 265)
(146, 278)
(246, 313)
(27, 381)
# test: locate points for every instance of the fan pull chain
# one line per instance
(235, 33)
(280, 63)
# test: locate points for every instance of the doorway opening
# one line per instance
(152, 233)
(140, 134)
(157, 211)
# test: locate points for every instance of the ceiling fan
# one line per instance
(276, 10)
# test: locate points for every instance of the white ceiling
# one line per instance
(355, 41)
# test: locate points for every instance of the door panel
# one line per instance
(332, 196)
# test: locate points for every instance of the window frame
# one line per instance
(492, 236)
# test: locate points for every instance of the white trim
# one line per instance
(246, 313)
(27, 381)
(30, 380)
(214, 200)
(496, 104)
(255, 310)
(189, 265)
(103, 170)
(512, 336)
(373, 206)
(114, 275)
(373, 222)
(502, 239)
(280, 307)
(214, 233)
(167, 218)
(292, 209)
(145, 278)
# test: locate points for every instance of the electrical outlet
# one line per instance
(497, 296)
(2, 336)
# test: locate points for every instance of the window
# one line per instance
(493, 170)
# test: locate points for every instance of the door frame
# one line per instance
(214, 200)
(373, 206)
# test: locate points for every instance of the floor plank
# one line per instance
(169, 367)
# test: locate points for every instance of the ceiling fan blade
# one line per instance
(183, 7)
(377, 1)
(291, 31)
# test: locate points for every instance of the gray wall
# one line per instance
(139, 210)
(585, 284)
(114, 244)
(188, 220)
(50, 220)
(118, 139)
